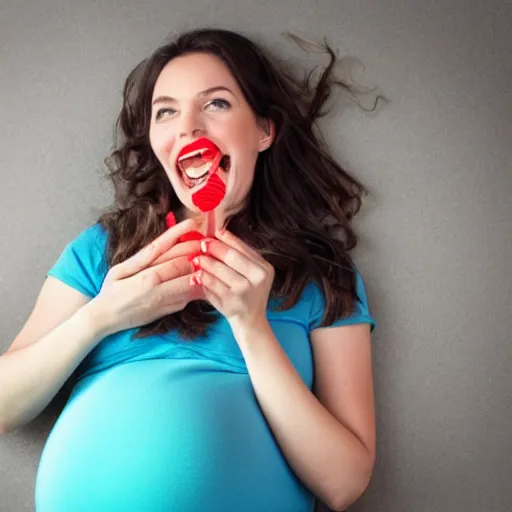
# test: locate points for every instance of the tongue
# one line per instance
(195, 167)
(194, 161)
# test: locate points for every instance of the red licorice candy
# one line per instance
(210, 196)
(170, 220)
(191, 235)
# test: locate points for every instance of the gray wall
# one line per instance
(436, 232)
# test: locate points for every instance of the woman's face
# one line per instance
(196, 96)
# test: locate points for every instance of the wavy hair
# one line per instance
(298, 210)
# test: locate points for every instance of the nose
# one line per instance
(191, 124)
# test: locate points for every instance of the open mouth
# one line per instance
(199, 160)
(195, 170)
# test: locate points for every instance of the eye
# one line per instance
(163, 111)
(219, 104)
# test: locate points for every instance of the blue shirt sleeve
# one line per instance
(361, 313)
(82, 264)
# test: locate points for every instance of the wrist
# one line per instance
(97, 318)
(245, 330)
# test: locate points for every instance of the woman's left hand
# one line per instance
(236, 280)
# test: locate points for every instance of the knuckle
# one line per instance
(151, 248)
(258, 276)
(150, 279)
(230, 254)
(175, 268)
(160, 299)
(157, 299)
(244, 287)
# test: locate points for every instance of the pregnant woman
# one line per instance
(220, 361)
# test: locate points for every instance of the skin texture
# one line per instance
(223, 116)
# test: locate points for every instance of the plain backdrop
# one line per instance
(435, 232)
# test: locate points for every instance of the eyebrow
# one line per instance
(169, 99)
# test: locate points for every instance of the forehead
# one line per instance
(187, 75)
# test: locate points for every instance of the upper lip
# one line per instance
(193, 147)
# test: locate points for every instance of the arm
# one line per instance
(328, 439)
(32, 375)
(66, 324)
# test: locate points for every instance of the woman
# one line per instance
(228, 373)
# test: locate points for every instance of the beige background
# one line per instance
(436, 233)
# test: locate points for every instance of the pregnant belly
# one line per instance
(165, 435)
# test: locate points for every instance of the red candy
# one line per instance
(210, 196)
(191, 235)
(170, 220)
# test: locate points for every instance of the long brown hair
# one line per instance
(297, 184)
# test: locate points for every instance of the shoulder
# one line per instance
(310, 308)
(314, 296)
(92, 237)
(82, 263)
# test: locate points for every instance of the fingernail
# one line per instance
(195, 261)
(192, 281)
(204, 245)
(198, 277)
(170, 220)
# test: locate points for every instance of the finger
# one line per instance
(251, 270)
(212, 284)
(171, 269)
(227, 275)
(213, 299)
(152, 251)
(181, 290)
(233, 241)
(180, 249)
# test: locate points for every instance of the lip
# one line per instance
(211, 149)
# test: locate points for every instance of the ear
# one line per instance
(268, 134)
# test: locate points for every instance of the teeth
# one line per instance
(198, 172)
(194, 153)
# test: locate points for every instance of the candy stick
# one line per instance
(210, 223)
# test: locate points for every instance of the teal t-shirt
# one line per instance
(163, 424)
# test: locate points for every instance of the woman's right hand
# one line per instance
(134, 293)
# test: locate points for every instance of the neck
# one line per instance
(210, 221)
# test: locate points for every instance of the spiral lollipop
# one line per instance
(198, 164)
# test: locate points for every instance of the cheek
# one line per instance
(162, 144)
